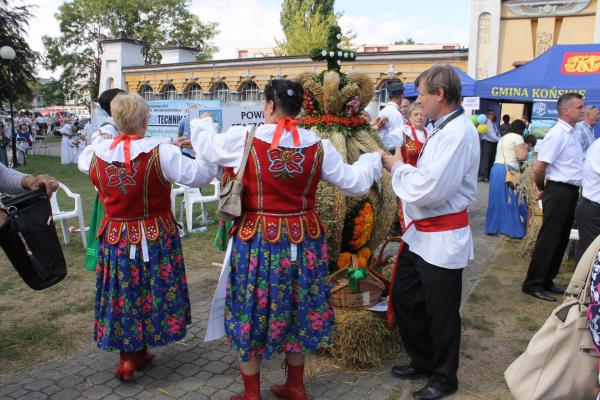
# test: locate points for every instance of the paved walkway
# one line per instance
(194, 370)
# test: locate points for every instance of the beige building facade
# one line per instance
(245, 79)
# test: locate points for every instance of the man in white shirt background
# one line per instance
(585, 128)
(557, 174)
(426, 289)
(404, 106)
(389, 117)
(587, 213)
(489, 143)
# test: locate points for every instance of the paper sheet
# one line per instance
(380, 307)
(216, 320)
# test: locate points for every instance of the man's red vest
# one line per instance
(133, 201)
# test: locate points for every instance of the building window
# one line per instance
(194, 92)
(249, 92)
(383, 89)
(168, 92)
(220, 91)
(146, 92)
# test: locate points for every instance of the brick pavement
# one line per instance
(192, 369)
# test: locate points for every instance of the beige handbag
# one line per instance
(513, 178)
(230, 203)
(560, 361)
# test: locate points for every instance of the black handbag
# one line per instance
(29, 239)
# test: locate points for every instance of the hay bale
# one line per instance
(363, 338)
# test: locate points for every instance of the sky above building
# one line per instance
(255, 23)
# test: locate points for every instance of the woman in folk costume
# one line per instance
(277, 299)
(141, 291)
(414, 135)
(105, 129)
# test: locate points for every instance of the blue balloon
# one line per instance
(481, 118)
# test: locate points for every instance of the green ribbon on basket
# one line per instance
(355, 275)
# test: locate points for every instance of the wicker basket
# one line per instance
(369, 293)
(379, 262)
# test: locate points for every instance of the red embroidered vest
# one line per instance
(412, 147)
(279, 191)
(137, 201)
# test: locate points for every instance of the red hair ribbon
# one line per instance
(288, 124)
(126, 149)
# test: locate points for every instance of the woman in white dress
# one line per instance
(68, 153)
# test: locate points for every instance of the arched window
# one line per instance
(194, 92)
(146, 92)
(110, 83)
(168, 92)
(220, 91)
(249, 92)
(383, 89)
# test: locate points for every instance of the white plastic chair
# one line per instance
(60, 215)
(193, 196)
(40, 144)
(176, 191)
(573, 238)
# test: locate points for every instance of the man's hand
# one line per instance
(538, 193)
(389, 160)
(41, 181)
(379, 122)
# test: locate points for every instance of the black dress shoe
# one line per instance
(430, 393)
(408, 372)
(555, 289)
(540, 294)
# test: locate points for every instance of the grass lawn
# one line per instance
(41, 325)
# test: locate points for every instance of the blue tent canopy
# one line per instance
(468, 85)
(561, 69)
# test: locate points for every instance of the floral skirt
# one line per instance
(140, 303)
(276, 303)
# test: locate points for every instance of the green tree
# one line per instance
(14, 22)
(51, 92)
(407, 41)
(83, 23)
(305, 24)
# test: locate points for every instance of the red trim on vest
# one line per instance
(440, 223)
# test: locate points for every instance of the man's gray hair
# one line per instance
(565, 99)
(441, 77)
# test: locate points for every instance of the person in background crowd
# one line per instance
(4, 141)
(42, 124)
(557, 174)
(404, 109)
(489, 143)
(505, 124)
(277, 297)
(141, 290)
(585, 129)
(389, 118)
(68, 153)
(506, 213)
(530, 141)
(427, 282)
(183, 130)
(587, 213)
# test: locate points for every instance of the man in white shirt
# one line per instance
(560, 162)
(587, 213)
(489, 143)
(390, 118)
(585, 128)
(426, 288)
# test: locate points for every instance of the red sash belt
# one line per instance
(441, 223)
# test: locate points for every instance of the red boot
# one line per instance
(127, 365)
(294, 385)
(251, 388)
(143, 357)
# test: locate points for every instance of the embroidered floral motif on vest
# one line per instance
(119, 178)
(286, 162)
